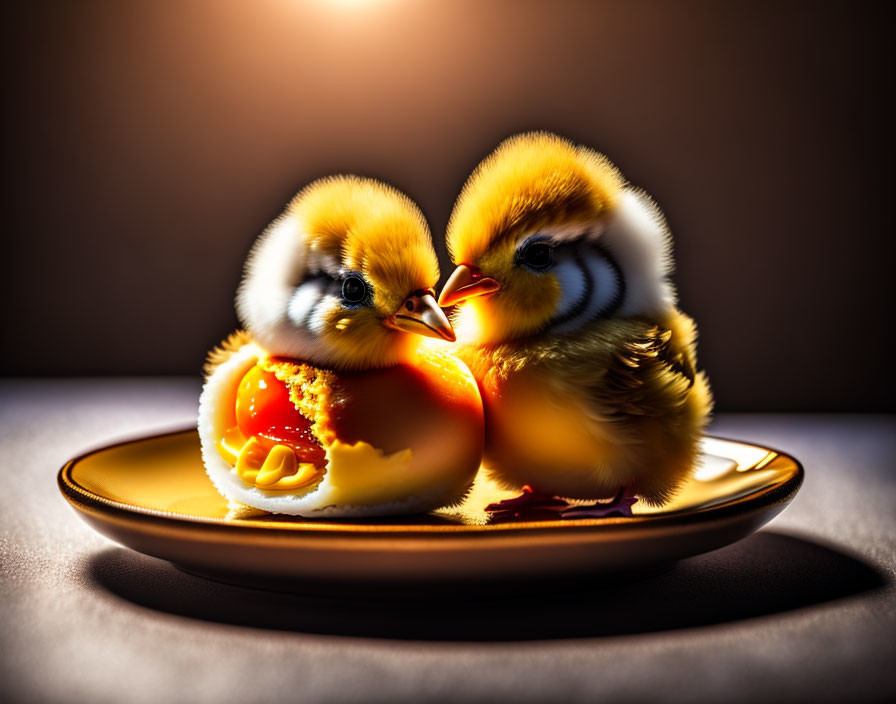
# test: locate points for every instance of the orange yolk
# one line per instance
(264, 409)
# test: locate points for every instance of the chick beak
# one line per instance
(419, 313)
(465, 283)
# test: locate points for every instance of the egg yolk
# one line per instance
(265, 410)
(273, 445)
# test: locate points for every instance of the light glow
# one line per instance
(434, 344)
(746, 457)
(469, 323)
(350, 3)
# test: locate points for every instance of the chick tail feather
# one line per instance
(224, 351)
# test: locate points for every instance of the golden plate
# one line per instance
(152, 495)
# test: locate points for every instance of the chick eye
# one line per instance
(538, 256)
(354, 290)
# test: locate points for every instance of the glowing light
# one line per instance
(432, 344)
(469, 323)
(744, 456)
(709, 467)
(351, 3)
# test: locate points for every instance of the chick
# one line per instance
(568, 321)
(344, 279)
(324, 402)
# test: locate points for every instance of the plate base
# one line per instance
(152, 495)
(428, 590)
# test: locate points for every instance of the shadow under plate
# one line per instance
(763, 574)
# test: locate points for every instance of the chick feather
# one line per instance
(338, 225)
(530, 181)
(582, 401)
(224, 350)
(322, 404)
(632, 381)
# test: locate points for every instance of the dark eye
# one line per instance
(538, 255)
(354, 290)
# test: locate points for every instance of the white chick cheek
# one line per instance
(573, 286)
(304, 301)
(607, 285)
(317, 320)
(601, 287)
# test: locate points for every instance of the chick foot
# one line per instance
(621, 505)
(528, 506)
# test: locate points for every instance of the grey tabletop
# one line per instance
(802, 610)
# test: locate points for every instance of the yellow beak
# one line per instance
(465, 283)
(419, 313)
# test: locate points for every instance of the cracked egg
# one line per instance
(286, 437)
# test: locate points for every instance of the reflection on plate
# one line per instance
(152, 495)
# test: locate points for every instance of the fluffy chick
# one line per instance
(344, 278)
(586, 367)
(322, 403)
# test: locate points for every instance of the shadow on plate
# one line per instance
(764, 574)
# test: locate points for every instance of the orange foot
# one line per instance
(528, 506)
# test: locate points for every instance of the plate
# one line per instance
(152, 495)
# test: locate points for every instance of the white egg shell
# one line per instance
(359, 479)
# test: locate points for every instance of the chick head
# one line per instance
(547, 236)
(343, 278)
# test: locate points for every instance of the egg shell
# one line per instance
(408, 439)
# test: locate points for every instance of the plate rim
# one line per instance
(86, 501)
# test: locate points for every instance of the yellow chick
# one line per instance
(344, 278)
(567, 319)
(326, 405)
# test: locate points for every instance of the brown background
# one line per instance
(147, 143)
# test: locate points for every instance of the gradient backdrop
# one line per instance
(147, 143)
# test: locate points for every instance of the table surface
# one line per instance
(802, 610)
